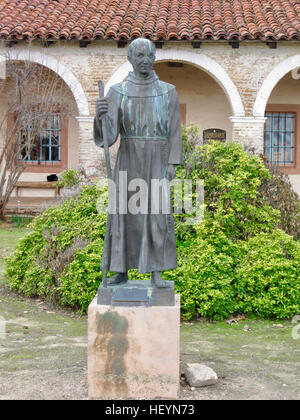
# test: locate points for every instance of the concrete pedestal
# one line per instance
(133, 352)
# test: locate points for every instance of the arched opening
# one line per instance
(200, 61)
(282, 127)
(202, 100)
(38, 124)
(53, 64)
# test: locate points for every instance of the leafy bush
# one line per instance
(268, 276)
(231, 180)
(205, 274)
(217, 277)
(49, 261)
(245, 187)
(278, 192)
(235, 261)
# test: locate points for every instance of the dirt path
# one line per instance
(43, 354)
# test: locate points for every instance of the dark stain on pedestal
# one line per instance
(112, 341)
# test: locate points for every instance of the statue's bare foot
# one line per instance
(158, 281)
(117, 279)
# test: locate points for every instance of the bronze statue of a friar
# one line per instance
(144, 111)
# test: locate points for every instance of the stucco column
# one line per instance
(249, 131)
(88, 151)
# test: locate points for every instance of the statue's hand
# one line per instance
(171, 172)
(101, 107)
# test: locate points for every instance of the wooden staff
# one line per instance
(105, 262)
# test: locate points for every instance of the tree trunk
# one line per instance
(2, 217)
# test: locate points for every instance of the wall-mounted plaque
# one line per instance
(214, 134)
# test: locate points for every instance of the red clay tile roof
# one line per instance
(156, 19)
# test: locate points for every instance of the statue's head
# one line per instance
(141, 54)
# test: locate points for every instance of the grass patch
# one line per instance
(9, 237)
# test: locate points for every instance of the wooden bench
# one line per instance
(38, 184)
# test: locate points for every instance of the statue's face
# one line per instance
(142, 59)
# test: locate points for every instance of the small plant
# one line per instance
(20, 221)
(69, 178)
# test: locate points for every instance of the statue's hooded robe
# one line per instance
(145, 112)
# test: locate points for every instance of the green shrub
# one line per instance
(80, 280)
(62, 239)
(277, 190)
(69, 178)
(268, 276)
(246, 187)
(205, 274)
(231, 180)
(217, 277)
